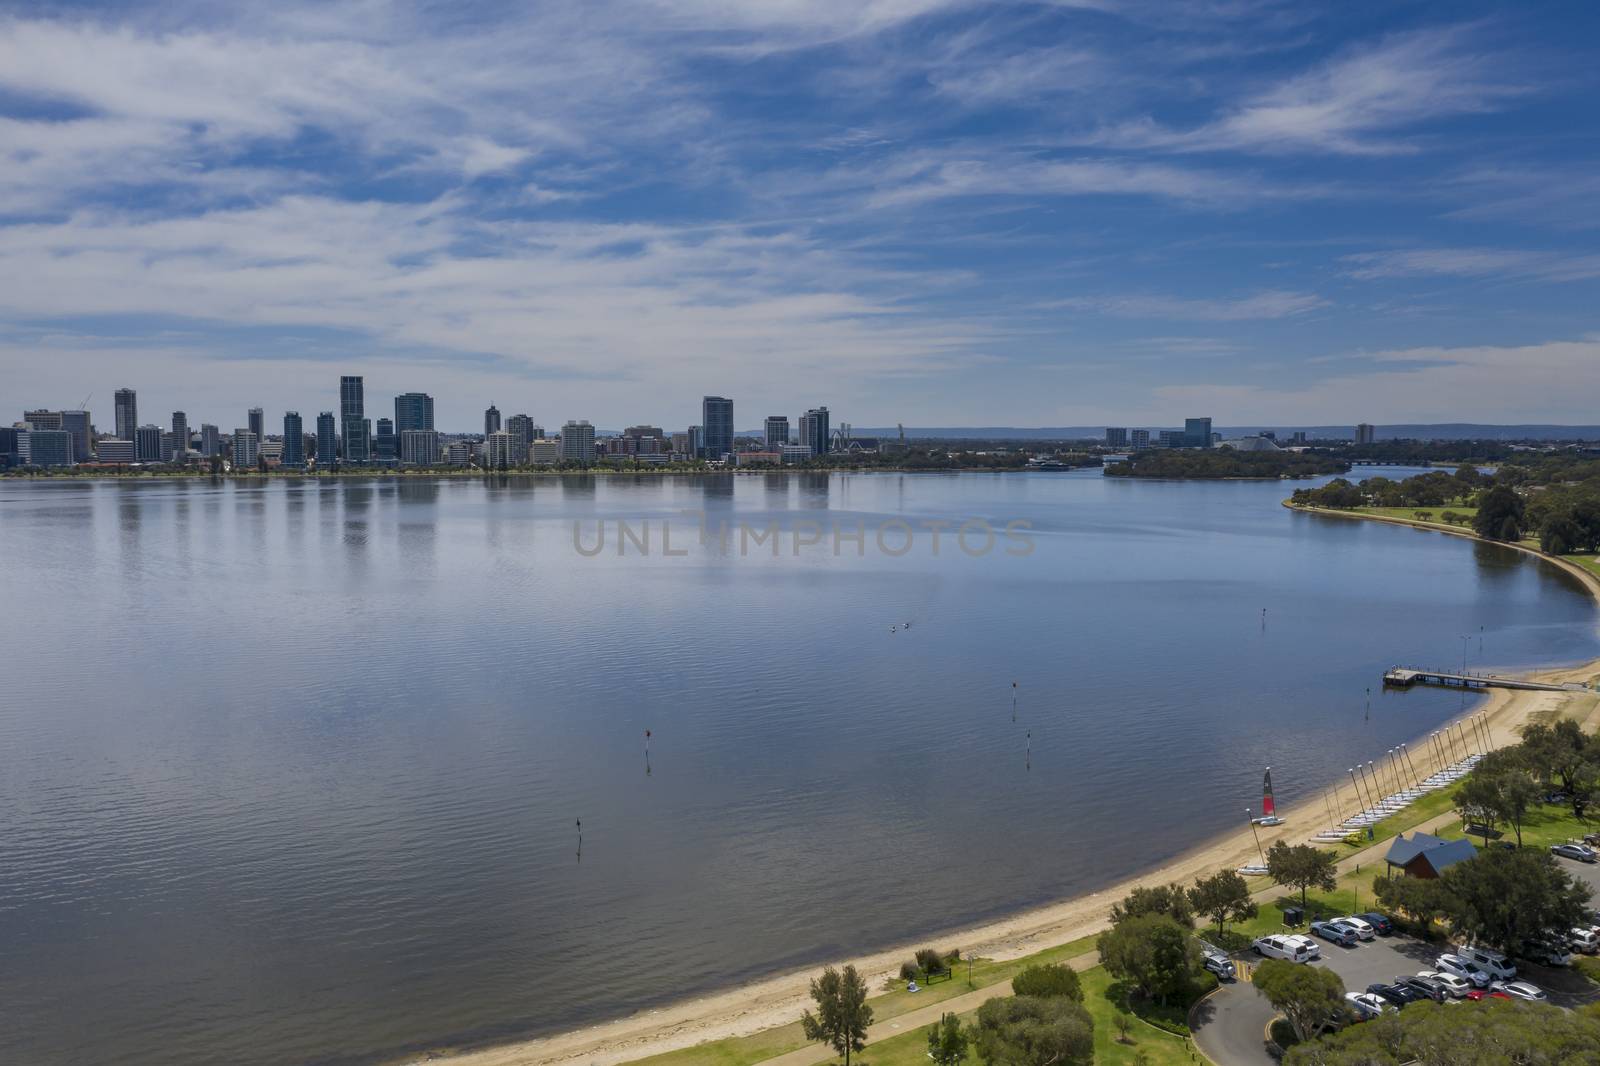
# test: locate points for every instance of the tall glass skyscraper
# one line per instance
(327, 442)
(294, 441)
(716, 416)
(412, 410)
(180, 436)
(353, 421)
(127, 404)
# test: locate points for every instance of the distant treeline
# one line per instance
(1422, 452)
(1555, 498)
(1217, 463)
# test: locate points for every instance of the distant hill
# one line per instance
(1443, 431)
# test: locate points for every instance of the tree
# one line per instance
(1531, 1033)
(1478, 802)
(1156, 899)
(842, 1013)
(1499, 516)
(1423, 898)
(1310, 997)
(1505, 898)
(1500, 789)
(1057, 979)
(947, 1041)
(1301, 866)
(1223, 897)
(1155, 954)
(1029, 1031)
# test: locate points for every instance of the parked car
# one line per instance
(1465, 969)
(1456, 986)
(1487, 959)
(1520, 990)
(1584, 939)
(1342, 935)
(1366, 1006)
(1548, 952)
(1293, 947)
(1423, 986)
(1382, 923)
(1217, 962)
(1395, 994)
(1484, 993)
(1362, 929)
(1580, 852)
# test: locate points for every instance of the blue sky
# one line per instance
(923, 211)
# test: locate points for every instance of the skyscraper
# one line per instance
(814, 430)
(777, 432)
(412, 410)
(577, 442)
(210, 440)
(180, 436)
(294, 447)
(77, 423)
(257, 424)
(1366, 433)
(385, 445)
(147, 444)
(246, 449)
(419, 447)
(42, 419)
(327, 442)
(1197, 432)
(353, 421)
(127, 405)
(491, 421)
(497, 450)
(521, 429)
(716, 415)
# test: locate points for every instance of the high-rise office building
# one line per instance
(385, 445)
(77, 423)
(1140, 438)
(210, 440)
(1116, 437)
(127, 407)
(180, 436)
(522, 433)
(577, 442)
(491, 421)
(697, 441)
(419, 447)
(294, 441)
(1366, 433)
(353, 421)
(8, 447)
(49, 447)
(1197, 432)
(814, 430)
(256, 422)
(542, 451)
(716, 416)
(497, 450)
(327, 442)
(777, 432)
(246, 449)
(42, 419)
(412, 410)
(147, 444)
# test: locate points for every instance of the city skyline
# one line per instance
(952, 212)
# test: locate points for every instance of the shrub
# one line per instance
(908, 971)
(1045, 981)
(929, 960)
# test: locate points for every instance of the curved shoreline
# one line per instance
(778, 1000)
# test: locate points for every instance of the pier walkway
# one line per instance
(1405, 677)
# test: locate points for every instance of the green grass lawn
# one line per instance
(1546, 824)
(770, 1043)
(1590, 563)
(1415, 514)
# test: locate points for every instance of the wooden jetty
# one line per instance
(1405, 677)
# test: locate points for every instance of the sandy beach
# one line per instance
(779, 1000)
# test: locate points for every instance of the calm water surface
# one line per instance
(292, 772)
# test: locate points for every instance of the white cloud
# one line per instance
(1353, 104)
(1270, 304)
(1473, 263)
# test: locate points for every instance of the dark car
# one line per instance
(1379, 922)
(1430, 989)
(1399, 995)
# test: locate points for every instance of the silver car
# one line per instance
(1520, 990)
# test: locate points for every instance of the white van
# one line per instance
(1293, 948)
(1496, 964)
(1584, 940)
